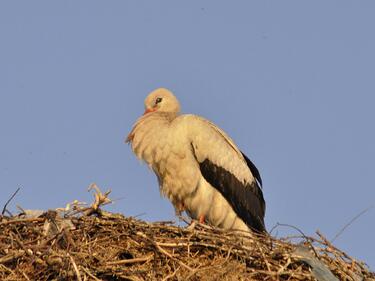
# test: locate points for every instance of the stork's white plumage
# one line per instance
(198, 166)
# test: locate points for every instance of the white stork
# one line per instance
(198, 166)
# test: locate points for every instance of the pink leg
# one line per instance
(201, 219)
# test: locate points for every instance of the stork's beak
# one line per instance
(130, 137)
(148, 110)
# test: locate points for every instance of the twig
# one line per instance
(350, 222)
(9, 213)
(25, 275)
(75, 267)
(283, 267)
(171, 257)
(22, 220)
(228, 255)
(90, 274)
(329, 244)
(19, 242)
(161, 250)
(264, 257)
(10, 199)
(129, 261)
(308, 239)
(7, 269)
(12, 256)
(171, 275)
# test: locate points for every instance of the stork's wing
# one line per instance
(225, 168)
(253, 169)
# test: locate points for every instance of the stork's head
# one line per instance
(161, 100)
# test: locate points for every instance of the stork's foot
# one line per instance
(193, 223)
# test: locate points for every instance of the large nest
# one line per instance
(85, 243)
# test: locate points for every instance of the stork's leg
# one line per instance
(179, 207)
(201, 219)
(194, 222)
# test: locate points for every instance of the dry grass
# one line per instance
(88, 244)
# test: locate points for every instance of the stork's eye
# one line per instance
(158, 100)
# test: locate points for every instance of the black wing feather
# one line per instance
(245, 199)
(253, 169)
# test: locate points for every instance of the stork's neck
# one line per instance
(152, 119)
(150, 134)
(160, 115)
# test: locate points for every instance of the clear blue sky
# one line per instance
(292, 82)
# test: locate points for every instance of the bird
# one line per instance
(198, 166)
